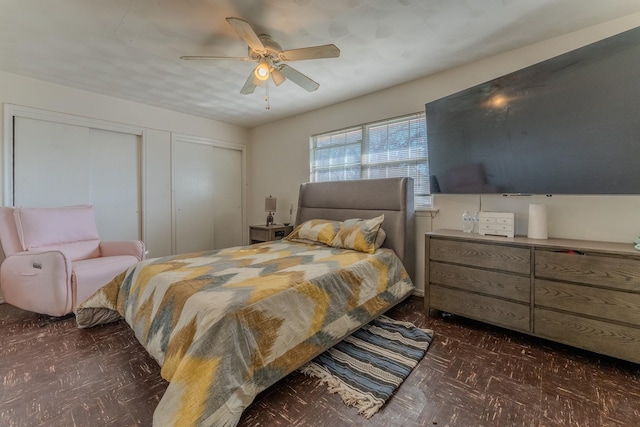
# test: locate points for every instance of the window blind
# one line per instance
(389, 148)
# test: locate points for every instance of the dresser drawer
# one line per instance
(585, 300)
(599, 270)
(498, 257)
(505, 285)
(602, 337)
(491, 310)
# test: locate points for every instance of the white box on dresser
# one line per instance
(496, 224)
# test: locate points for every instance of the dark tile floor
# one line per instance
(53, 374)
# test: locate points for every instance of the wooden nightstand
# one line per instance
(263, 233)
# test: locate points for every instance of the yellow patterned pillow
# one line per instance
(358, 234)
(382, 235)
(316, 230)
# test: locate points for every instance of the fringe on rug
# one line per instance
(366, 404)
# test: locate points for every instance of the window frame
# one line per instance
(325, 165)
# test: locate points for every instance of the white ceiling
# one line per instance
(130, 48)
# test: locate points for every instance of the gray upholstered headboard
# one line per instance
(367, 198)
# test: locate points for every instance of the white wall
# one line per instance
(158, 123)
(279, 151)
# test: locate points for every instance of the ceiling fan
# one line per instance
(270, 58)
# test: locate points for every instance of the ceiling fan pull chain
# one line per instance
(266, 97)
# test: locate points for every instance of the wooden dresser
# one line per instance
(582, 293)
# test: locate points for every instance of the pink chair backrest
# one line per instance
(70, 229)
(8, 233)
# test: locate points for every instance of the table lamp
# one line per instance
(270, 206)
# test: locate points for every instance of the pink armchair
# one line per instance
(55, 259)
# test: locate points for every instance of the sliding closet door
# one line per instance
(194, 197)
(50, 166)
(208, 195)
(115, 184)
(227, 189)
(58, 164)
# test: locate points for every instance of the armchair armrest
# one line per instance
(123, 247)
(38, 281)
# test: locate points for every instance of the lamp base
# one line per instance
(269, 219)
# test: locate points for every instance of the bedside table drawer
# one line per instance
(257, 234)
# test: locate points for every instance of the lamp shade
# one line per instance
(262, 71)
(277, 76)
(270, 204)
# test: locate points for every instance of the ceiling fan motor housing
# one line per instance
(271, 49)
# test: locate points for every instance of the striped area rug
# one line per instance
(368, 366)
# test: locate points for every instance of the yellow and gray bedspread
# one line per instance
(225, 325)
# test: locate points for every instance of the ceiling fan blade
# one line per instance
(315, 52)
(277, 76)
(250, 85)
(298, 78)
(205, 58)
(245, 31)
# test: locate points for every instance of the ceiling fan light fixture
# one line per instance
(277, 76)
(262, 71)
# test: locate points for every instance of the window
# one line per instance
(385, 149)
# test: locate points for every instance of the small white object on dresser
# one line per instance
(497, 224)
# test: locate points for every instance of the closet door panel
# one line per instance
(194, 197)
(115, 183)
(227, 189)
(51, 163)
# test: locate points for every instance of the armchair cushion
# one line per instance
(71, 230)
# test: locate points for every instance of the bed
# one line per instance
(224, 325)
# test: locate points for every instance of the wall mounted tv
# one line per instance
(568, 125)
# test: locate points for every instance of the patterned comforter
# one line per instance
(225, 325)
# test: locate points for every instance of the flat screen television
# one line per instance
(568, 125)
